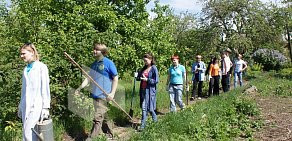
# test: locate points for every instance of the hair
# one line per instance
(104, 49)
(151, 57)
(214, 60)
(174, 57)
(198, 56)
(31, 48)
(239, 55)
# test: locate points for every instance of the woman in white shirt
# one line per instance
(35, 92)
(240, 66)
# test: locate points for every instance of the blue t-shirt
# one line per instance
(103, 73)
(177, 74)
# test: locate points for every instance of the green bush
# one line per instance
(270, 59)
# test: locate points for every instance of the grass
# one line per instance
(223, 117)
(273, 83)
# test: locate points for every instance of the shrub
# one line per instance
(270, 59)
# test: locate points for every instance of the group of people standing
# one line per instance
(217, 68)
(35, 94)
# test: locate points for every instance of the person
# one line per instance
(208, 76)
(198, 70)
(149, 78)
(226, 65)
(174, 83)
(104, 72)
(214, 77)
(240, 66)
(35, 92)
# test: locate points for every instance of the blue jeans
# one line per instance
(237, 75)
(175, 96)
(145, 112)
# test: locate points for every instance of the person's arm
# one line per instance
(45, 92)
(111, 95)
(185, 79)
(204, 68)
(225, 67)
(167, 81)
(155, 78)
(84, 84)
(45, 87)
(210, 70)
(245, 66)
(185, 75)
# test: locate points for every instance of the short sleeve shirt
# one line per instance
(239, 65)
(177, 74)
(103, 73)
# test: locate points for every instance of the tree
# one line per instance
(245, 24)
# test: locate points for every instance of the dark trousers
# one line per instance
(225, 82)
(200, 86)
(214, 85)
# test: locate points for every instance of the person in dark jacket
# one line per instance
(149, 79)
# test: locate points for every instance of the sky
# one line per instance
(178, 6)
(192, 6)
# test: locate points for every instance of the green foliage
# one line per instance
(286, 73)
(256, 67)
(282, 88)
(270, 59)
(73, 26)
(220, 118)
(245, 25)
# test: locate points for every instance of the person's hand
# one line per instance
(19, 113)
(45, 114)
(77, 91)
(135, 74)
(187, 88)
(209, 77)
(144, 78)
(109, 98)
(166, 87)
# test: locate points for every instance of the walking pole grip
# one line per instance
(92, 80)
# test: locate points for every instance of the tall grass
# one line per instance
(219, 118)
(273, 83)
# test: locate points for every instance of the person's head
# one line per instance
(228, 51)
(99, 49)
(28, 53)
(215, 60)
(198, 58)
(148, 59)
(239, 56)
(223, 54)
(175, 60)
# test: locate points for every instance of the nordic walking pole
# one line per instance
(187, 83)
(92, 80)
(131, 113)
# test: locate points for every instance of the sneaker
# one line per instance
(199, 98)
(192, 98)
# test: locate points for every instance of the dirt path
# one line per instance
(277, 118)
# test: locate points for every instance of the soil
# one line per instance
(276, 113)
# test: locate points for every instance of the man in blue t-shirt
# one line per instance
(104, 72)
